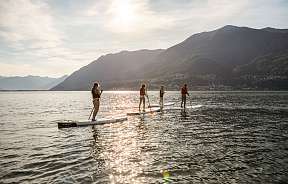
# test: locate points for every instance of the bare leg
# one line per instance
(140, 103)
(184, 102)
(96, 104)
(161, 102)
(143, 103)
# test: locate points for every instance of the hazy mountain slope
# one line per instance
(226, 48)
(29, 83)
(202, 59)
(55, 82)
(268, 65)
(125, 65)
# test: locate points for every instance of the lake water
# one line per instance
(234, 137)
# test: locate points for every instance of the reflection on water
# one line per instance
(233, 137)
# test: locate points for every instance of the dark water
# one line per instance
(235, 137)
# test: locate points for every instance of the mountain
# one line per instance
(224, 49)
(275, 30)
(268, 65)
(29, 82)
(268, 72)
(223, 58)
(110, 69)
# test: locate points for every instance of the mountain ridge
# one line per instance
(199, 60)
(29, 82)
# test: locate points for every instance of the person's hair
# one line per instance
(143, 85)
(95, 85)
(185, 84)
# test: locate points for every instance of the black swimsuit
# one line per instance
(94, 94)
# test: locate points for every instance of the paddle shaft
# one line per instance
(148, 100)
(91, 113)
(148, 97)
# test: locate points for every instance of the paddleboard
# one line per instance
(143, 112)
(99, 121)
(165, 104)
(182, 108)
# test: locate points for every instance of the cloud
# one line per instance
(28, 24)
(29, 29)
(127, 16)
(199, 14)
(166, 22)
(54, 36)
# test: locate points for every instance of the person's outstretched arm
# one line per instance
(99, 92)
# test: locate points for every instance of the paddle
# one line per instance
(91, 113)
(148, 101)
(190, 100)
(148, 97)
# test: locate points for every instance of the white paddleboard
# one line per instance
(143, 112)
(165, 104)
(182, 108)
(99, 121)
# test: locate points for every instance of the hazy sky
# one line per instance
(57, 37)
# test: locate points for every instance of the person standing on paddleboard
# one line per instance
(161, 103)
(96, 94)
(184, 92)
(142, 96)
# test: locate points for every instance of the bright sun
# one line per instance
(124, 15)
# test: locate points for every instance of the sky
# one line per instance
(56, 37)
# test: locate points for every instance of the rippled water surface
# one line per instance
(234, 137)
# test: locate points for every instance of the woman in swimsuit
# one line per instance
(96, 94)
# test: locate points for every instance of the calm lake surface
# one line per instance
(234, 137)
